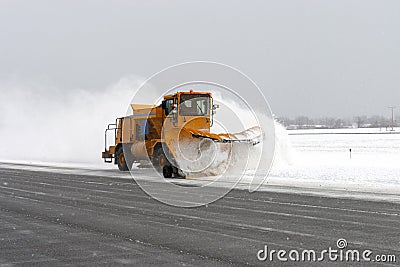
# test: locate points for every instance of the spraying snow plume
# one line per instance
(41, 123)
(275, 139)
(284, 151)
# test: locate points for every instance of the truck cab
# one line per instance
(189, 109)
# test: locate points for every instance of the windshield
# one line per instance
(194, 105)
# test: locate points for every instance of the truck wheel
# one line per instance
(161, 163)
(159, 159)
(121, 161)
(167, 171)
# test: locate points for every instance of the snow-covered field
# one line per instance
(322, 158)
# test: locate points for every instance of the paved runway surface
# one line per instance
(70, 219)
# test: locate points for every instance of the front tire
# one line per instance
(159, 159)
(167, 171)
(161, 162)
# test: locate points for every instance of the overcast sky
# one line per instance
(315, 58)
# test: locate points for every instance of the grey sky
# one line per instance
(316, 58)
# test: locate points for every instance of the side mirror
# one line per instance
(214, 108)
(163, 105)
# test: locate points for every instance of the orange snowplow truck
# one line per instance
(154, 132)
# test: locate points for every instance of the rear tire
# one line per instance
(120, 159)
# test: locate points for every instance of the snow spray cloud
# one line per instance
(42, 123)
(247, 114)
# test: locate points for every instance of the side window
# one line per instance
(168, 107)
(142, 128)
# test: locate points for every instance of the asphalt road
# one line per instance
(69, 219)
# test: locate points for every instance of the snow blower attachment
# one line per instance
(158, 133)
(251, 136)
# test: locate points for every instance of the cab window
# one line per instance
(194, 105)
(168, 106)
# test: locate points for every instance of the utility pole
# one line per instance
(392, 108)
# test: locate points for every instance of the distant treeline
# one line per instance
(304, 122)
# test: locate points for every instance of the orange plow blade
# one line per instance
(253, 135)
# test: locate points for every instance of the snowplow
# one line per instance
(158, 132)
